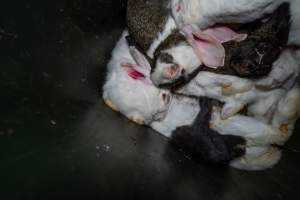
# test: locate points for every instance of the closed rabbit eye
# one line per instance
(182, 72)
(166, 97)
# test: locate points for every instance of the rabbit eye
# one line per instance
(182, 72)
(164, 96)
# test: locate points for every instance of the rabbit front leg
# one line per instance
(257, 158)
(108, 101)
(287, 113)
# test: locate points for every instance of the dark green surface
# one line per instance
(57, 139)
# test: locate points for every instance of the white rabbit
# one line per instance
(128, 88)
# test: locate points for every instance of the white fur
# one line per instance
(135, 99)
(207, 12)
(258, 158)
(182, 111)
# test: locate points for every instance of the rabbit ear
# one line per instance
(136, 73)
(139, 58)
(208, 43)
(137, 54)
(224, 34)
(132, 71)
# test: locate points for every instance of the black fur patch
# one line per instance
(166, 58)
(253, 58)
(171, 41)
(203, 143)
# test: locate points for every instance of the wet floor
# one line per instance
(57, 138)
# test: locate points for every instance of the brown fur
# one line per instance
(145, 19)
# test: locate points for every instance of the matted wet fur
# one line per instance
(203, 143)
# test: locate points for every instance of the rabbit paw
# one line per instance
(229, 88)
(230, 110)
(137, 118)
(110, 104)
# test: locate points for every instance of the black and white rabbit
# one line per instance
(206, 13)
(150, 23)
(250, 58)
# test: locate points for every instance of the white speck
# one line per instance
(106, 147)
(61, 10)
(97, 147)
(53, 122)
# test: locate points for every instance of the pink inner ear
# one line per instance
(132, 72)
(208, 49)
(224, 34)
(208, 43)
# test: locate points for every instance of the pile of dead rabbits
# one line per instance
(222, 83)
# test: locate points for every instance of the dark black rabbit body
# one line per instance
(262, 47)
(203, 143)
(253, 58)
